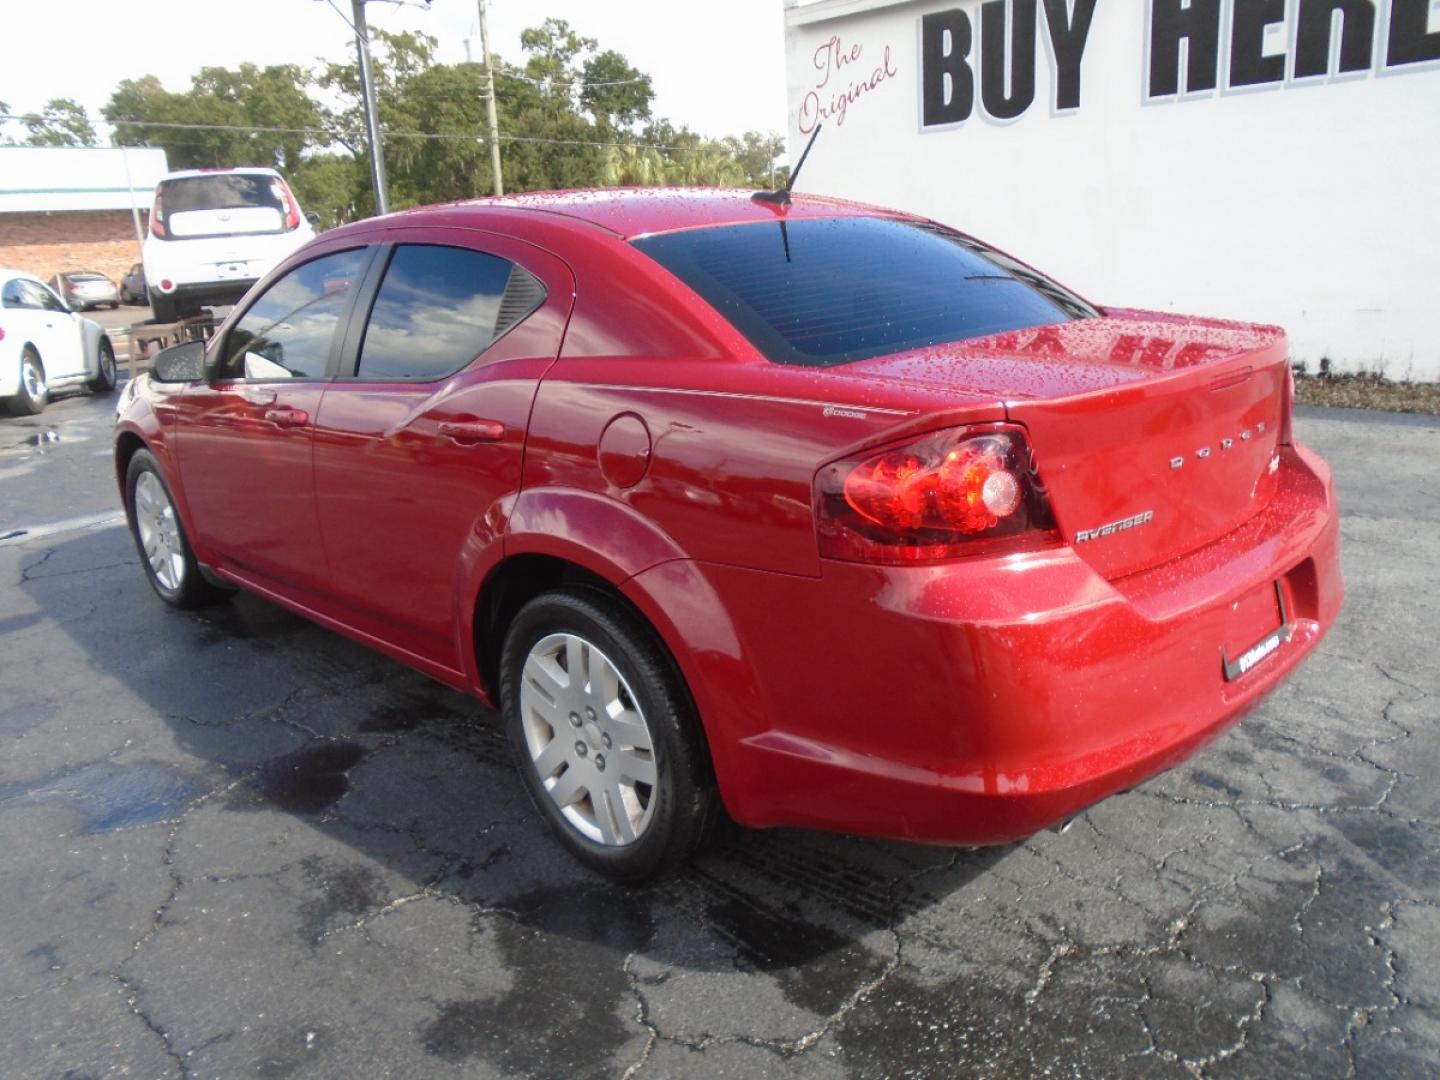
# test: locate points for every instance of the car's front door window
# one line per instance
(288, 332)
(45, 299)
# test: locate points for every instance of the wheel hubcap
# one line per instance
(107, 364)
(34, 381)
(159, 531)
(588, 739)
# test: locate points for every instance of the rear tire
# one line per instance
(583, 679)
(34, 393)
(160, 538)
(104, 380)
(163, 308)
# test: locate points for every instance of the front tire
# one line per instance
(104, 380)
(34, 392)
(160, 538)
(605, 735)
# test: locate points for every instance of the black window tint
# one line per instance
(222, 191)
(440, 307)
(286, 334)
(824, 291)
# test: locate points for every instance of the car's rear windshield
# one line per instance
(824, 291)
(223, 191)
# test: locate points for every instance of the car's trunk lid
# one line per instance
(1153, 435)
(231, 221)
(222, 204)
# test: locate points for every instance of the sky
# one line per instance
(717, 67)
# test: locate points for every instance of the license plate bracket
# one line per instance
(1250, 658)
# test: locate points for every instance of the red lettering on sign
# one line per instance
(829, 59)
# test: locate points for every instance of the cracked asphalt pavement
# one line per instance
(235, 844)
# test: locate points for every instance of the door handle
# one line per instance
(469, 432)
(286, 417)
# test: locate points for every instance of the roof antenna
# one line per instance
(781, 197)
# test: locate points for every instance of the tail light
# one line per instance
(963, 491)
(157, 218)
(1287, 408)
(2, 333)
(287, 200)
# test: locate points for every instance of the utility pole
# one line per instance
(134, 206)
(490, 102)
(372, 117)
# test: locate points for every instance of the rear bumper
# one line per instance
(205, 293)
(981, 701)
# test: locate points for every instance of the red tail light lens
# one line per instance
(157, 218)
(2, 333)
(960, 492)
(287, 200)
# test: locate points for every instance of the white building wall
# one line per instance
(51, 179)
(1313, 203)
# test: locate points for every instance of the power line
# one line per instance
(547, 81)
(341, 133)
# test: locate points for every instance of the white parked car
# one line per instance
(214, 233)
(45, 346)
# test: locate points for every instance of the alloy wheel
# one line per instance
(34, 380)
(588, 739)
(159, 532)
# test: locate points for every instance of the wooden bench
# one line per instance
(147, 338)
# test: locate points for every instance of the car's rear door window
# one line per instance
(288, 332)
(823, 291)
(440, 307)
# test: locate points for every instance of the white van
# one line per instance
(214, 233)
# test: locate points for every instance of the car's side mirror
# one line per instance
(312, 217)
(180, 363)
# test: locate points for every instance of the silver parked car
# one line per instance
(85, 289)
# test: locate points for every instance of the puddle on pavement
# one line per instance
(110, 796)
(560, 945)
(36, 439)
(408, 712)
(816, 967)
(309, 781)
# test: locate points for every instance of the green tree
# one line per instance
(756, 152)
(63, 122)
(614, 93)
(226, 118)
(570, 115)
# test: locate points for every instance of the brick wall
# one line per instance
(44, 244)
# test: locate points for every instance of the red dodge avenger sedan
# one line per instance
(822, 514)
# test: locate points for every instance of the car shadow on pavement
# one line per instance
(243, 719)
